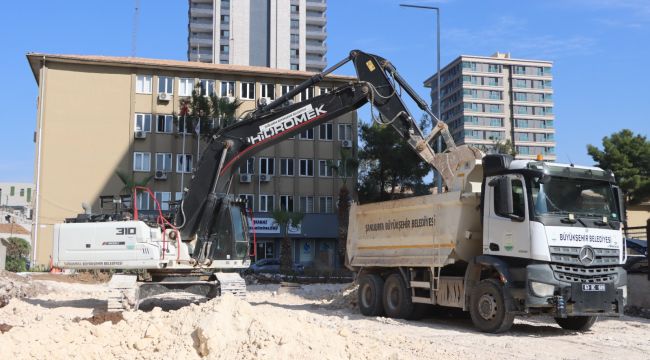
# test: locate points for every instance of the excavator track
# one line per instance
(231, 283)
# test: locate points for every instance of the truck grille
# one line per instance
(569, 255)
(582, 274)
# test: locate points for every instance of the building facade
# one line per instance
(485, 100)
(283, 34)
(16, 194)
(98, 116)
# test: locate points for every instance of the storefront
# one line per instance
(313, 242)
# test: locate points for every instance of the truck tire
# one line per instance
(371, 288)
(576, 323)
(488, 307)
(397, 298)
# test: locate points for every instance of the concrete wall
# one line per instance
(638, 215)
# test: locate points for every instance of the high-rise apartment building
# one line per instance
(283, 34)
(485, 100)
(101, 116)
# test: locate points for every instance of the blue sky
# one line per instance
(600, 50)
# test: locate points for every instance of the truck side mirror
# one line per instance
(620, 200)
(503, 205)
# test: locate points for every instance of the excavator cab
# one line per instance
(229, 236)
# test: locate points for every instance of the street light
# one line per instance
(437, 10)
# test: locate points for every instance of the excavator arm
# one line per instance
(378, 83)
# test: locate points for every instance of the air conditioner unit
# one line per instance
(164, 96)
(160, 175)
(245, 178)
(263, 101)
(139, 134)
(265, 177)
(346, 143)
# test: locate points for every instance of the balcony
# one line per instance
(204, 57)
(200, 41)
(316, 35)
(318, 50)
(316, 20)
(197, 26)
(318, 5)
(201, 12)
(316, 63)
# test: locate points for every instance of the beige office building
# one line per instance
(496, 98)
(98, 115)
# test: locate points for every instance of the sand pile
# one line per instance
(15, 286)
(223, 328)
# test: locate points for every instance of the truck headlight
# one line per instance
(541, 289)
(624, 290)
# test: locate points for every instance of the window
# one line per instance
(183, 163)
(143, 122)
(286, 88)
(12, 191)
(325, 90)
(225, 18)
(295, 38)
(164, 162)
(225, 49)
(286, 203)
(207, 87)
(268, 91)
(143, 84)
(266, 203)
(344, 169)
(22, 192)
(228, 88)
(307, 135)
(295, 9)
(184, 125)
(325, 131)
(165, 124)
(294, 53)
(306, 167)
(286, 167)
(249, 198)
(143, 200)
(518, 199)
(325, 204)
(141, 161)
(307, 94)
(163, 197)
(178, 196)
(324, 170)
(248, 91)
(295, 24)
(166, 85)
(248, 167)
(345, 131)
(185, 87)
(306, 204)
(295, 67)
(267, 166)
(225, 34)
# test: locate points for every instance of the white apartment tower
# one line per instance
(283, 34)
(486, 99)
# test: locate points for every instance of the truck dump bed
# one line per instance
(428, 230)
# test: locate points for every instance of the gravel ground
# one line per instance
(316, 321)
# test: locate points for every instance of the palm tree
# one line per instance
(344, 169)
(130, 183)
(284, 219)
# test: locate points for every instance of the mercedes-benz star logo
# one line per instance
(587, 255)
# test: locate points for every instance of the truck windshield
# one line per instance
(581, 197)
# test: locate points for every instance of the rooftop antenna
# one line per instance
(570, 162)
(134, 30)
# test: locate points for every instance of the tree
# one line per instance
(345, 168)
(17, 251)
(387, 164)
(284, 219)
(212, 112)
(130, 183)
(628, 156)
(500, 147)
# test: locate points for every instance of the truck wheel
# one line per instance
(577, 323)
(487, 307)
(397, 298)
(371, 287)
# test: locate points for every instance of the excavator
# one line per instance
(207, 243)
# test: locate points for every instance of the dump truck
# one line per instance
(510, 238)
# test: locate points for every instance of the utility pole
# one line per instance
(439, 141)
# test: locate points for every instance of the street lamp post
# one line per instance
(437, 10)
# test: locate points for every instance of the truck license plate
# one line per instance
(593, 287)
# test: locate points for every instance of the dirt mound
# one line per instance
(346, 298)
(113, 317)
(15, 286)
